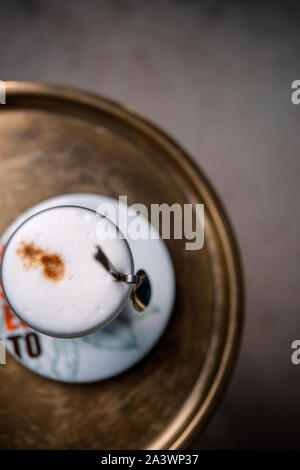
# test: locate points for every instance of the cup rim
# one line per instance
(102, 324)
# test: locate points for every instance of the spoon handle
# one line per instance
(102, 258)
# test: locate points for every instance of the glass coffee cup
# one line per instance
(68, 271)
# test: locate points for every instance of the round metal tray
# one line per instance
(58, 140)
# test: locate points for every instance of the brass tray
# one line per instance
(56, 140)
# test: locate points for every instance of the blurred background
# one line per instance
(217, 76)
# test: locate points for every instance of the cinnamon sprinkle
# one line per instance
(33, 257)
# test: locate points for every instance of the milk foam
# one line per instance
(87, 297)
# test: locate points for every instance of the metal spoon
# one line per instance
(106, 263)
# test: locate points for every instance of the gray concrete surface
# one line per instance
(217, 76)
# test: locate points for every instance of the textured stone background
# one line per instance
(217, 76)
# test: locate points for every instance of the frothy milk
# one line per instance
(51, 278)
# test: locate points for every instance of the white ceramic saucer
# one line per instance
(120, 345)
